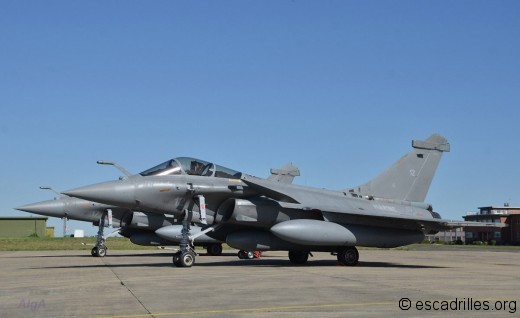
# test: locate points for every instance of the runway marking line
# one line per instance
(259, 309)
(220, 311)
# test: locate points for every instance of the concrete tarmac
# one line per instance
(466, 283)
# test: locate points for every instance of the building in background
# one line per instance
(503, 214)
(23, 226)
(453, 236)
(49, 231)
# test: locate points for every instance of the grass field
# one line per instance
(122, 243)
(65, 243)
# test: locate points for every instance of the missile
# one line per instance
(173, 233)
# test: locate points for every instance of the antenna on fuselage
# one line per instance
(50, 188)
(111, 163)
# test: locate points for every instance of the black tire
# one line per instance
(176, 258)
(187, 259)
(94, 252)
(101, 251)
(348, 256)
(214, 249)
(242, 254)
(298, 257)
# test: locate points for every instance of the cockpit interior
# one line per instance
(191, 166)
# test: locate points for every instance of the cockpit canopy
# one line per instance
(191, 166)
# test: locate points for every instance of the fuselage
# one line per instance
(241, 207)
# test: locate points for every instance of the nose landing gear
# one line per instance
(100, 249)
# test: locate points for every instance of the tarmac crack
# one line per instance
(129, 290)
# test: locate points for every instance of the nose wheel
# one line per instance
(101, 251)
(184, 259)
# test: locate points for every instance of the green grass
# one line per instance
(65, 243)
(122, 243)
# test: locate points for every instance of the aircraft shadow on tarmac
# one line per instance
(310, 263)
(89, 256)
(253, 263)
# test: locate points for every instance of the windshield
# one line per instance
(170, 167)
(190, 166)
(223, 172)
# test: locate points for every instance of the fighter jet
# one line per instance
(138, 226)
(250, 213)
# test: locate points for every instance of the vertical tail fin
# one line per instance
(410, 177)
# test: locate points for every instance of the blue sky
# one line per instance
(339, 88)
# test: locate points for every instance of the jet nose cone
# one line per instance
(54, 208)
(119, 193)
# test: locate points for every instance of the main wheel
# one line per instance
(101, 251)
(214, 249)
(94, 251)
(186, 259)
(298, 257)
(348, 256)
(176, 258)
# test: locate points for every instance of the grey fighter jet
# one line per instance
(139, 227)
(142, 228)
(250, 213)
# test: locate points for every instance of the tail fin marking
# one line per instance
(410, 177)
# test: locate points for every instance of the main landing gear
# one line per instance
(214, 249)
(348, 256)
(299, 257)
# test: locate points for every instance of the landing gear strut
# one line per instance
(185, 257)
(348, 256)
(100, 249)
